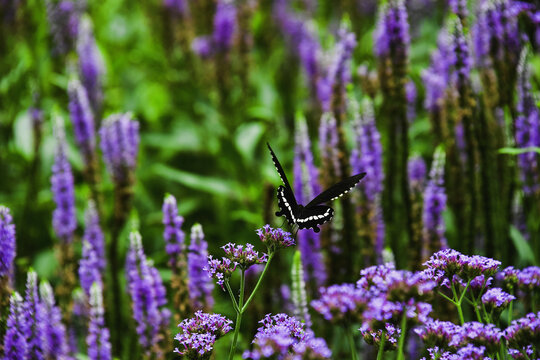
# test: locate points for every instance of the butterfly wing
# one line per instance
(336, 190)
(314, 216)
(280, 170)
(287, 205)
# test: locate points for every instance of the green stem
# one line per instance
(243, 308)
(238, 316)
(447, 298)
(350, 336)
(401, 342)
(510, 310)
(381, 346)
(235, 304)
(458, 306)
(476, 310)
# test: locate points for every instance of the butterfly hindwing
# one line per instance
(287, 204)
(314, 216)
(280, 169)
(336, 190)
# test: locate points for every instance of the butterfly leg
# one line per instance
(316, 229)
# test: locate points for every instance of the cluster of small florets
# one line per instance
(438, 334)
(522, 333)
(243, 255)
(220, 269)
(528, 279)
(390, 332)
(496, 299)
(404, 285)
(341, 303)
(373, 278)
(275, 239)
(284, 337)
(199, 334)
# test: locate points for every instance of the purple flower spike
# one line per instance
(64, 18)
(416, 169)
(328, 145)
(82, 119)
(64, 220)
(88, 268)
(51, 328)
(275, 239)
(340, 303)
(459, 7)
(200, 285)
(179, 7)
(221, 270)
(99, 346)
(92, 263)
(33, 314)
(173, 234)
(497, 299)
(7, 245)
(199, 334)
(224, 25)
(202, 46)
(392, 30)
(15, 341)
(120, 146)
(91, 67)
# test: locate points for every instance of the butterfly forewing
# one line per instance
(337, 190)
(287, 205)
(314, 216)
(280, 169)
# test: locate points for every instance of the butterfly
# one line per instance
(313, 214)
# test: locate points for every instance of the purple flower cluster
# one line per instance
(50, 326)
(147, 296)
(496, 299)
(64, 18)
(173, 234)
(440, 334)
(82, 119)
(374, 337)
(92, 263)
(120, 145)
(199, 334)
(15, 341)
(221, 270)
(200, 286)
(99, 347)
(528, 279)
(341, 303)
(64, 220)
(243, 255)
(7, 244)
(223, 34)
(392, 31)
(274, 239)
(328, 145)
(91, 67)
(523, 332)
(32, 315)
(284, 337)
(339, 72)
(436, 77)
(416, 172)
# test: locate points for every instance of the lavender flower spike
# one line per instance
(7, 248)
(99, 346)
(120, 146)
(51, 328)
(64, 220)
(82, 119)
(200, 286)
(33, 315)
(224, 25)
(15, 342)
(173, 234)
(94, 235)
(91, 67)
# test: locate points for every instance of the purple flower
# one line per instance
(91, 67)
(472, 352)
(120, 145)
(221, 270)
(478, 334)
(328, 145)
(523, 332)
(497, 299)
(179, 7)
(341, 303)
(92, 263)
(64, 220)
(173, 234)
(99, 346)
(64, 18)
(528, 279)
(243, 255)
(33, 315)
(436, 77)
(416, 170)
(89, 272)
(199, 334)
(15, 340)
(527, 125)
(434, 205)
(339, 72)
(50, 326)
(402, 285)
(373, 337)
(224, 26)
(509, 278)
(200, 285)
(7, 244)
(306, 187)
(274, 239)
(436, 333)
(373, 279)
(202, 46)
(459, 7)
(94, 235)
(82, 119)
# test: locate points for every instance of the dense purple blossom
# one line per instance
(436, 76)
(33, 314)
(173, 234)
(339, 72)
(528, 279)
(523, 332)
(460, 58)
(508, 277)
(275, 239)
(99, 346)
(416, 171)
(15, 340)
(373, 337)
(94, 235)
(82, 119)
(64, 220)
(199, 334)
(50, 326)
(92, 263)
(7, 244)
(459, 7)
(380, 312)
(340, 303)
(120, 145)
(402, 285)
(496, 299)
(221, 270)
(306, 187)
(91, 67)
(244, 255)
(202, 46)
(224, 25)
(373, 279)
(89, 272)
(434, 205)
(436, 333)
(328, 145)
(200, 285)
(392, 31)
(64, 19)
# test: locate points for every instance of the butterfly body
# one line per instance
(313, 214)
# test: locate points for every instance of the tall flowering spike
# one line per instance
(64, 220)
(224, 25)
(459, 7)
(64, 19)
(307, 187)
(15, 340)
(199, 284)
(33, 315)
(411, 95)
(82, 119)
(50, 326)
(417, 173)
(299, 296)
(89, 272)
(328, 144)
(97, 339)
(416, 169)
(91, 67)
(120, 146)
(179, 7)
(94, 235)
(147, 296)
(7, 250)
(434, 205)
(173, 234)
(339, 72)
(527, 126)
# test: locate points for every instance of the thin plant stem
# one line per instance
(381, 346)
(238, 315)
(350, 336)
(401, 342)
(233, 299)
(458, 306)
(244, 307)
(510, 310)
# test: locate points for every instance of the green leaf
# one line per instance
(525, 252)
(518, 151)
(246, 139)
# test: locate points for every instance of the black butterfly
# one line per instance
(313, 214)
